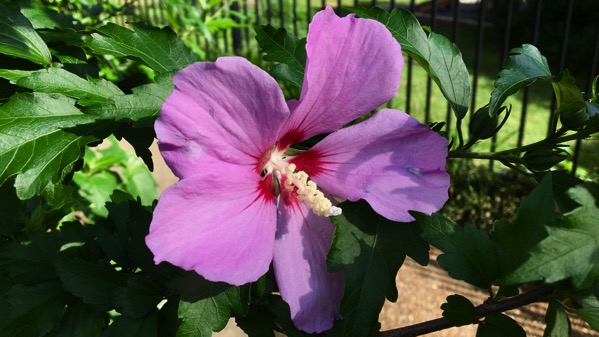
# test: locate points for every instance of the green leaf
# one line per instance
(284, 48)
(34, 141)
(142, 106)
(134, 327)
(210, 314)
(513, 240)
(441, 59)
(588, 306)
(9, 203)
(572, 247)
(19, 39)
(562, 182)
(139, 297)
(158, 48)
(60, 81)
(94, 283)
(28, 264)
(132, 221)
(96, 189)
(558, 323)
(81, 320)
(279, 309)
(499, 325)
(468, 253)
(525, 66)
(369, 249)
(459, 310)
(42, 16)
(139, 181)
(568, 95)
(32, 310)
(257, 323)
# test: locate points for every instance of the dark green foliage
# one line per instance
(369, 249)
(286, 50)
(571, 247)
(468, 252)
(459, 310)
(513, 239)
(558, 323)
(499, 325)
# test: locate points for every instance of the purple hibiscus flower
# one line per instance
(246, 198)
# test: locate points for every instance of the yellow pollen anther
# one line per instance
(307, 192)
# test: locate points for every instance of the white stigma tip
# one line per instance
(334, 211)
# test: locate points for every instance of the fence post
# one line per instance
(236, 31)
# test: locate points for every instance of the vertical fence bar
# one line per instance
(268, 12)
(562, 63)
(281, 13)
(502, 57)
(535, 39)
(356, 3)
(294, 17)
(410, 66)
(455, 26)
(308, 13)
(592, 74)
(429, 81)
(257, 11)
(323, 4)
(246, 30)
(338, 11)
(236, 31)
(479, 45)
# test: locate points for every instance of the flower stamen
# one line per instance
(307, 192)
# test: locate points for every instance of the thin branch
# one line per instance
(538, 294)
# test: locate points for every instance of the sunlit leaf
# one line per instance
(525, 66)
(60, 81)
(159, 48)
(19, 39)
(41, 137)
(210, 314)
(142, 106)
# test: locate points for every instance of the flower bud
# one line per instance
(482, 125)
(574, 119)
(543, 159)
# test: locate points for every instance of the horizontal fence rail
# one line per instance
(566, 32)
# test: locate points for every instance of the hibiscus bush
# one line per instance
(292, 214)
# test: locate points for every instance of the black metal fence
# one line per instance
(566, 32)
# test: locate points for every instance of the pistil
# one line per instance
(307, 192)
